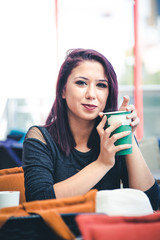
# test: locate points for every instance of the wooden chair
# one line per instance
(12, 179)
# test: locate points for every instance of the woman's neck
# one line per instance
(81, 131)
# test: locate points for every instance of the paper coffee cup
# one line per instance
(112, 118)
(9, 198)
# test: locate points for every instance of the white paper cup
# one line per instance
(9, 198)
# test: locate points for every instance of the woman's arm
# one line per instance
(81, 182)
(89, 176)
(139, 174)
(140, 177)
(39, 166)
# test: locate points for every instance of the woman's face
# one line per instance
(86, 91)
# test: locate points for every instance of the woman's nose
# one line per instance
(90, 92)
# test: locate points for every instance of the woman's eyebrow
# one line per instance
(98, 80)
(81, 77)
(102, 80)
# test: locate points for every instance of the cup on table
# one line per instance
(9, 198)
(112, 118)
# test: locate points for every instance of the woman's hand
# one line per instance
(133, 116)
(107, 147)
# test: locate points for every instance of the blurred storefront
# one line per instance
(33, 50)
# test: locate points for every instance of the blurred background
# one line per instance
(35, 36)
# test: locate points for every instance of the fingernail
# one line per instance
(128, 132)
(126, 97)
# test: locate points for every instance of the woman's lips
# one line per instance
(89, 107)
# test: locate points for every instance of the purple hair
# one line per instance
(57, 121)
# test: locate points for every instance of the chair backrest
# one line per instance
(150, 150)
(12, 179)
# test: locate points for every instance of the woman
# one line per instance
(73, 153)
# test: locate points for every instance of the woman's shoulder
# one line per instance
(40, 133)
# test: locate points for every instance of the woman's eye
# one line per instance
(102, 85)
(80, 82)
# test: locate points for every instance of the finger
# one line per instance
(122, 147)
(132, 115)
(117, 136)
(135, 122)
(110, 129)
(113, 127)
(130, 108)
(125, 103)
(101, 114)
(100, 127)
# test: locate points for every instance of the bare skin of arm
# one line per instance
(139, 174)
